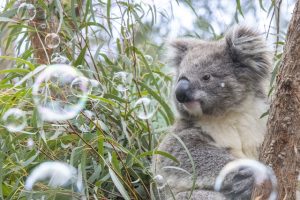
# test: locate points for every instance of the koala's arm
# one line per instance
(208, 160)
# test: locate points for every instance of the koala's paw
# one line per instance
(239, 185)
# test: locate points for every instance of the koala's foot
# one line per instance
(239, 185)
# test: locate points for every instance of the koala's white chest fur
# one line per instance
(241, 130)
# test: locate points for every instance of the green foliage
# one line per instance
(114, 154)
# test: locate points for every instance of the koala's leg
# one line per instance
(208, 160)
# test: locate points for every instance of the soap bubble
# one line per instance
(43, 26)
(26, 11)
(56, 58)
(260, 171)
(84, 121)
(52, 40)
(145, 108)
(149, 59)
(30, 143)
(14, 120)
(79, 84)
(97, 88)
(53, 95)
(159, 179)
(122, 81)
(63, 180)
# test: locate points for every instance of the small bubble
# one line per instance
(26, 11)
(84, 121)
(145, 108)
(222, 85)
(43, 26)
(52, 40)
(122, 81)
(56, 58)
(79, 85)
(160, 181)
(97, 88)
(30, 143)
(14, 120)
(149, 59)
(53, 95)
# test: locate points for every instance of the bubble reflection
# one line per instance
(122, 81)
(56, 175)
(84, 121)
(52, 40)
(14, 120)
(26, 11)
(56, 58)
(149, 59)
(145, 108)
(53, 95)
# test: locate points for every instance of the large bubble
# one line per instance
(55, 94)
(14, 120)
(61, 177)
(26, 11)
(260, 171)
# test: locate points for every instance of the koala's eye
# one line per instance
(206, 77)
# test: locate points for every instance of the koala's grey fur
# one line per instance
(223, 122)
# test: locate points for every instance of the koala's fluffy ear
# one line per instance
(249, 48)
(178, 48)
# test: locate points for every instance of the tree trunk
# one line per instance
(42, 27)
(282, 142)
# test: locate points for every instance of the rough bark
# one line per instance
(41, 53)
(280, 149)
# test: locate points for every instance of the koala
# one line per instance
(220, 93)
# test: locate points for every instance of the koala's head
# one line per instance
(213, 77)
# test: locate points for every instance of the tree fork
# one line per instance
(280, 149)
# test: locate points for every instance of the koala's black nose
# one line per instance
(182, 91)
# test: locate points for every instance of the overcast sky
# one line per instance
(183, 16)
